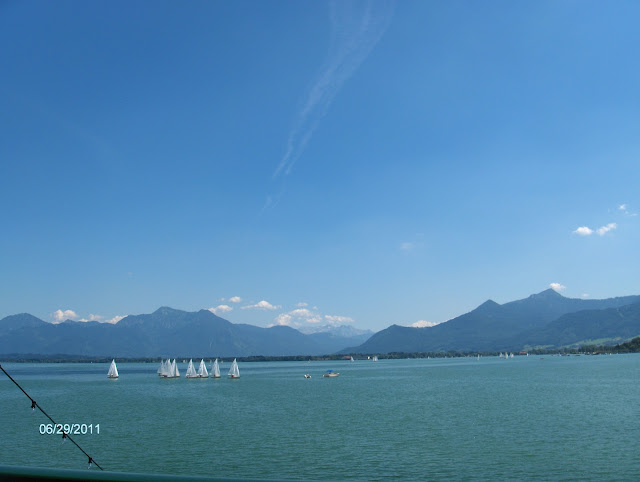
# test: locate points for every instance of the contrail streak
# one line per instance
(355, 30)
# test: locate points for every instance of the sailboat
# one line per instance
(215, 369)
(352, 359)
(202, 370)
(174, 372)
(191, 371)
(375, 358)
(233, 371)
(113, 370)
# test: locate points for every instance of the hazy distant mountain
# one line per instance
(165, 332)
(339, 330)
(493, 327)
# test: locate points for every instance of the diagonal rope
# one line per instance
(65, 435)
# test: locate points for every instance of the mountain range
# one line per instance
(543, 320)
(165, 332)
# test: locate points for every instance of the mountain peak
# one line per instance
(549, 293)
(166, 311)
(487, 305)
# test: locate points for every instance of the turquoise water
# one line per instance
(544, 418)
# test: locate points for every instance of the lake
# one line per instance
(549, 417)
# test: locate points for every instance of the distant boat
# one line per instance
(233, 371)
(306, 375)
(202, 370)
(191, 371)
(215, 369)
(352, 359)
(511, 356)
(113, 370)
(375, 358)
(330, 374)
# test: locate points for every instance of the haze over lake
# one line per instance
(547, 417)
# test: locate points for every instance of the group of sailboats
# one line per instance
(168, 369)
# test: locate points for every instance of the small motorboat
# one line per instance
(330, 374)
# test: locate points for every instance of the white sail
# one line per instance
(215, 369)
(233, 371)
(202, 370)
(352, 359)
(375, 358)
(113, 370)
(165, 369)
(191, 371)
(175, 373)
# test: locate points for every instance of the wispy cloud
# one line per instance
(624, 209)
(557, 287)
(605, 229)
(235, 299)
(407, 246)
(355, 30)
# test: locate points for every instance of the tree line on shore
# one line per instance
(632, 346)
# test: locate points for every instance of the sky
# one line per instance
(311, 163)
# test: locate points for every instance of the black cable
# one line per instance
(65, 435)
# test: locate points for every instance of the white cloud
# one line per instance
(59, 315)
(261, 305)
(336, 320)
(623, 208)
(424, 324)
(302, 304)
(557, 287)
(115, 319)
(584, 231)
(283, 319)
(303, 317)
(92, 318)
(587, 231)
(220, 309)
(605, 229)
(235, 299)
(585, 295)
(306, 315)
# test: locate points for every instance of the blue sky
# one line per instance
(305, 163)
